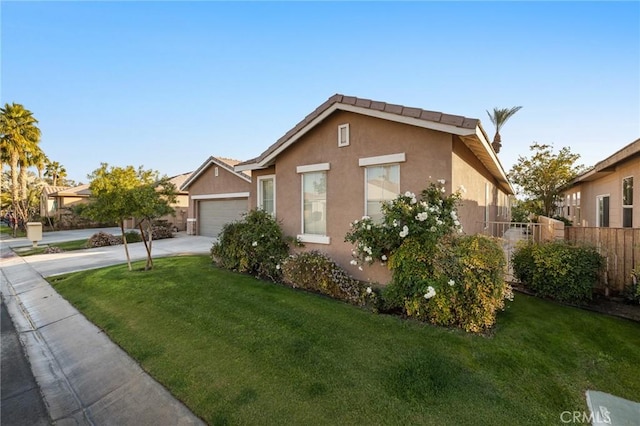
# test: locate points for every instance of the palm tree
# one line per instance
(498, 118)
(40, 160)
(19, 136)
(55, 171)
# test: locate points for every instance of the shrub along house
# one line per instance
(217, 195)
(350, 155)
(605, 195)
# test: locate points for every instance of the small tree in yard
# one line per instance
(152, 201)
(541, 178)
(119, 193)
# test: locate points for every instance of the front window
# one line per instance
(314, 196)
(383, 184)
(267, 194)
(627, 202)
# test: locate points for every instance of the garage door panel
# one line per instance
(214, 214)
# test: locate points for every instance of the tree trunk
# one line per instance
(147, 247)
(124, 241)
(497, 142)
(15, 158)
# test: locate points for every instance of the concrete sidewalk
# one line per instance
(83, 376)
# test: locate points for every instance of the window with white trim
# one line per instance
(314, 203)
(267, 194)
(382, 185)
(343, 135)
(627, 202)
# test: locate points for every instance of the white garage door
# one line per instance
(214, 214)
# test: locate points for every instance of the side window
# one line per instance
(627, 202)
(267, 194)
(382, 184)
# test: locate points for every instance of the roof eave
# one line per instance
(205, 165)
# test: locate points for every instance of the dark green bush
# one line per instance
(254, 245)
(133, 237)
(558, 270)
(631, 292)
(316, 272)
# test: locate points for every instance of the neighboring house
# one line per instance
(48, 205)
(217, 195)
(178, 220)
(67, 197)
(607, 195)
(350, 155)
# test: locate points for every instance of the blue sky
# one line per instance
(167, 84)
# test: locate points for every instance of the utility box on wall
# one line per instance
(34, 232)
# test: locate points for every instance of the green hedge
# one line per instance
(558, 270)
(253, 245)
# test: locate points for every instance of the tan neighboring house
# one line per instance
(217, 195)
(351, 154)
(67, 197)
(48, 204)
(605, 195)
(178, 220)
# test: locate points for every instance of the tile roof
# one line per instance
(400, 110)
(226, 163)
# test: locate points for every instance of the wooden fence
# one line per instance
(619, 246)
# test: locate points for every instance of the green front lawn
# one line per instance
(66, 246)
(238, 350)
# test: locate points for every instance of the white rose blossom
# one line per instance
(430, 293)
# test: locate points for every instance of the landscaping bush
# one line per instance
(158, 233)
(133, 237)
(631, 292)
(52, 250)
(254, 245)
(558, 270)
(316, 272)
(436, 276)
(102, 239)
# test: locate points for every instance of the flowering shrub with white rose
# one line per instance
(437, 275)
(254, 245)
(315, 271)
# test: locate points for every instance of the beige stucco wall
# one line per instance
(209, 184)
(428, 158)
(481, 189)
(611, 185)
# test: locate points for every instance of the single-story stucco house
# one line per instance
(217, 195)
(605, 195)
(350, 154)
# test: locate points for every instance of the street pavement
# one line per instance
(83, 378)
